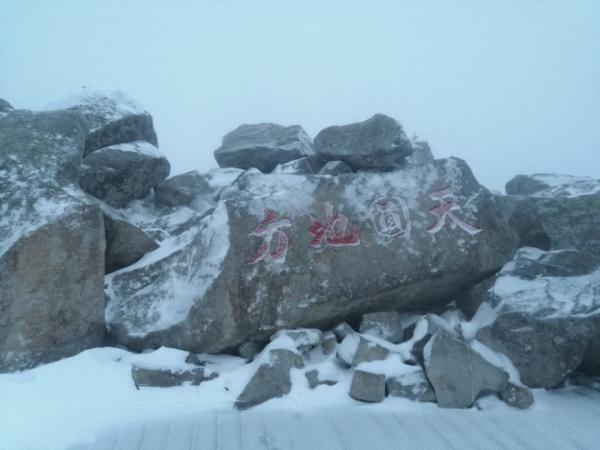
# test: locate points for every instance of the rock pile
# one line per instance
(453, 292)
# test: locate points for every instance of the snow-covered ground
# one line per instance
(89, 401)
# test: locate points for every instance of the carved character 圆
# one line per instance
(391, 217)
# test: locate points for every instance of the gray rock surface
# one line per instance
(552, 185)
(181, 190)
(112, 118)
(385, 325)
(121, 173)
(314, 380)
(5, 106)
(335, 168)
(304, 339)
(367, 386)
(562, 212)
(517, 396)
(263, 146)
(328, 343)
(51, 242)
(356, 349)
(342, 330)
(458, 373)
(271, 379)
(421, 154)
(289, 251)
(248, 349)
(378, 143)
(145, 377)
(413, 386)
(547, 313)
(302, 166)
(125, 243)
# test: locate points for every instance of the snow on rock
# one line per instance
(543, 312)
(554, 212)
(51, 242)
(263, 146)
(121, 173)
(378, 143)
(458, 373)
(112, 117)
(284, 251)
(552, 185)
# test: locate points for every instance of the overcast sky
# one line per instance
(510, 86)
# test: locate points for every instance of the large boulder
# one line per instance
(51, 242)
(112, 118)
(458, 373)
(290, 251)
(554, 212)
(124, 172)
(263, 146)
(547, 315)
(378, 143)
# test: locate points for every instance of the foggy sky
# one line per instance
(510, 86)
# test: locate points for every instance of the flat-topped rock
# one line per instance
(263, 146)
(378, 143)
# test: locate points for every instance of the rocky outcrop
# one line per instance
(378, 143)
(553, 212)
(111, 118)
(287, 251)
(124, 172)
(263, 146)
(51, 242)
(546, 308)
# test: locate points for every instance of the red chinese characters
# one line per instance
(446, 209)
(275, 241)
(335, 232)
